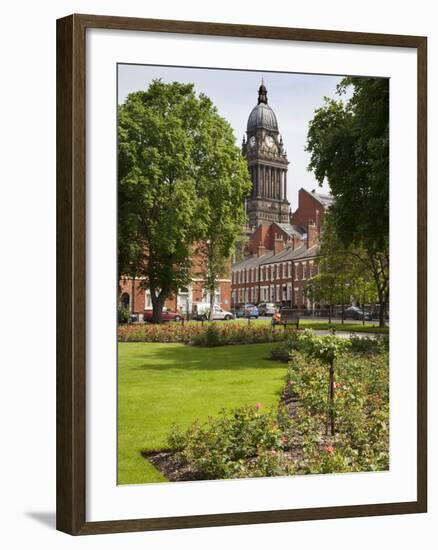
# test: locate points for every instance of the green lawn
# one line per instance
(346, 327)
(356, 326)
(324, 325)
(159, 384)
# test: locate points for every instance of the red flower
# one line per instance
(329, 450)
(273, 452)
(258, 406)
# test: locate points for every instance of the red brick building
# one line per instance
(279, 273)
(137, 298)
(311, 208)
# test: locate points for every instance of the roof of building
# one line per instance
(324, 198)
(252, 261)
(292, 230)
(288, 254)
(302, 252)
(262, 116)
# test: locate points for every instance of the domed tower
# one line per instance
(267, 162)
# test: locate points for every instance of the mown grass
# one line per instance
(346, 327)
(324, 325)
(356, 326)
(159, 384)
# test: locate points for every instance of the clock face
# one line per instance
(252, 141)
(269, 140)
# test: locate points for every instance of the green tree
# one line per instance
(323, 287)
(327, 349)
(363, 288)
(349, 146)
(226, 182)
(176, 154)
(335, 271)
(344, 272)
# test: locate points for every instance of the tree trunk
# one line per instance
(381, 280)
(363, 309)
(383, 300)
(343, 306)
(382, 312)
(332, 399)
(133, 296)
(157, 304)
(210, 315)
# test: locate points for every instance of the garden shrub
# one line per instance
(368, 344)
(123, 314)
(242, 443)
(282, 351)
(210, 337)
(324, 348)
(361, 410)
(198, 334)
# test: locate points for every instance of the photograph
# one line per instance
(253, 303)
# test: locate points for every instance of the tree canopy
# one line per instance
(349, 145)
(181, 181)
(344, 272)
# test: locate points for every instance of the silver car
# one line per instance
(267, 308)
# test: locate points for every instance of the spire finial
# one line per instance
(263, 93)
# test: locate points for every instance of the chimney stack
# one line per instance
(278, 245)
(261, 250)
(312, 234)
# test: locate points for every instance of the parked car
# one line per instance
(354, 312)
(248, 310)
(201, 312)
(166, 315)
(267, 308)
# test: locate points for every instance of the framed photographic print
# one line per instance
(241, 332)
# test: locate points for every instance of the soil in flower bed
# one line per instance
(172, 465)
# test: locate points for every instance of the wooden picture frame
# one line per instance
(71, 273)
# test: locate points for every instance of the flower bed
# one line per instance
(163, 333)
(209, 334)
(251, 442)
(361, 412)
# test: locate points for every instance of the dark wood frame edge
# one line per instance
(71, 233)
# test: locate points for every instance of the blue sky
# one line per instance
(293, 97)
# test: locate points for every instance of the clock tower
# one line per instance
(267, 163)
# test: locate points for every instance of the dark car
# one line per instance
(354, 312)
(248, 310)
(267, 308)
(166, 315)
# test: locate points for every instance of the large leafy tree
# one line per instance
(349, 146)
(344, 272)
(176, 157)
